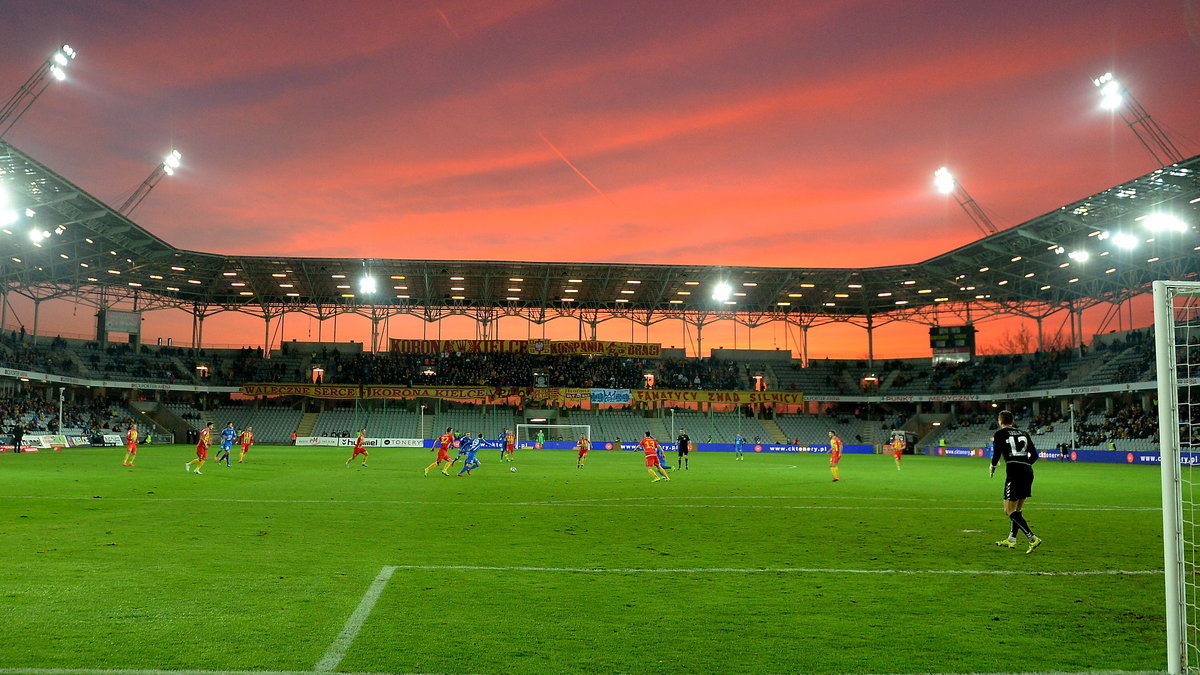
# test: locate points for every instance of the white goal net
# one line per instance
(1177, 351)
(527, 434)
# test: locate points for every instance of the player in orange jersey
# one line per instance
(898, 448)
(583, 446)
(359, 448)
(130, 445)
(650, 447)
(201, 448)
(835, 455)
(442, 445)
(510, 445)
(246, 438)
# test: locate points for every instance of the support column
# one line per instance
(3, 307)
(804, 352)
(870, 341)
(699, 342)
(375, 332)
(1039, 325)
(267, 336)
(37, 305)
(200, 333)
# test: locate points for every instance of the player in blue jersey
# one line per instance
(471, 446)
(738, 442)
(662, 456)
(228, 436)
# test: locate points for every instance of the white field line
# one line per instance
(623, 503)
(155, 671)
(341, 644)
(772, 570)
(137, 671)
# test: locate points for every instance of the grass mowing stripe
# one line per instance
(120, 671)
(342, 643)
(772, 570)
(136, 671)
(398, 502)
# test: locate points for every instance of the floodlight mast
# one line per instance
(166, 168)
(947, 184)
(53, 68)
(1117, 98)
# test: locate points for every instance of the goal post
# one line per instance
(1177, 365)
(527, 433)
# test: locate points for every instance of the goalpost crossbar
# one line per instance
(526, 432)
(1177, 364)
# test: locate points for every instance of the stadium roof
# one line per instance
(1033, 269)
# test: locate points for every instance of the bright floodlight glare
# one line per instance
(1078, 256)
(168, 169)
(37, 235)
(1110, 91)
(58, 73)
(722, 292)
(943, 181)
(1123, 240)
(172, 160)
(61, 58)
(1157, 222)
(366, 285)
(66, 49)
(8, 216)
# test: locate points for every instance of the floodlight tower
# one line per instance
(1115, 97)
(946, 184)
(166, 168)
(54, 68)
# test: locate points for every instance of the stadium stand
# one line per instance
(814, 429)
(271, 424)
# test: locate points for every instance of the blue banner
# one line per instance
(1096, 456)
(610, 396)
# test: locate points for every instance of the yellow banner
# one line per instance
(699, 396)
(549, 347)
(341, 391)
(546, 395)
(464, 393)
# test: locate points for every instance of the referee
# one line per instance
(684, 446)
(1016, 447)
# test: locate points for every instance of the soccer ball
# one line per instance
(512, 469)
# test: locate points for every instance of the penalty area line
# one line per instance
(156, 671)
(137, 671)
(341, 644)
(771, 570)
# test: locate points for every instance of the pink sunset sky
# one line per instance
(795, 134)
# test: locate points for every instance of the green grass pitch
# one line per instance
(262, 565)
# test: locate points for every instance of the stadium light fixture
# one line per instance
(1111, 97)
(366, 285)
(1078, 256)
(171, 162)
(943, 181)
(721, 292)
(51, 70)
(1116, 98)
(946, 184)
(1124, 240)
(8, 216)
(167, 167)
(1159, 222)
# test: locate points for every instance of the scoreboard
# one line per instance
(952, 343)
